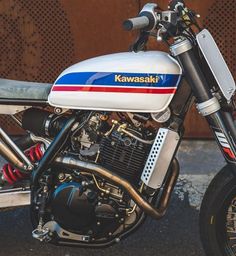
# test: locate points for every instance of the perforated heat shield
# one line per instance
(160, 156)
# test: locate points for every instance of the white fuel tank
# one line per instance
(128, 82)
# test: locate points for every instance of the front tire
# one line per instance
(218, 215)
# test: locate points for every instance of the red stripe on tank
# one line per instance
(113, 89)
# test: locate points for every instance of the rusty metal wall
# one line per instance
(41, 38)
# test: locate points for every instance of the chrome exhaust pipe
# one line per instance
(157, 213)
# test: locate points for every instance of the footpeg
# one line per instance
(41, 234)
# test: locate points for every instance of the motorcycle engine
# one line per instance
(121, 148)
(84, 208)
(78, 207)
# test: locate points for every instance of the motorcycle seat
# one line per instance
(14, 91)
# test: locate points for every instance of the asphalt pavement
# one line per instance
(176, 234)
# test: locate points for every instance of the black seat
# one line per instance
(14, 91)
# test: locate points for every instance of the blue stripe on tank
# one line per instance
(110, 79)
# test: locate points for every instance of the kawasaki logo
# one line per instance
(137, 79)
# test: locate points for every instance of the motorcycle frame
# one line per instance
(197, 86)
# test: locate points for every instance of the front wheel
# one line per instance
(218, 215)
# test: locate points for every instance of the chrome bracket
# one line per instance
(208, 107)
(180, 47)
(53, 227)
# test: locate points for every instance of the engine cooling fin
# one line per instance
(124, 156)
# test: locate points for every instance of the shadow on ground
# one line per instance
(176, 234)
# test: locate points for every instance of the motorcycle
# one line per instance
(98, 155)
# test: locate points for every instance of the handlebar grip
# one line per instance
(136, 23)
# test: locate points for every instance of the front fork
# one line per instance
(208, 105)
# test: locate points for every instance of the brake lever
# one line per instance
(161, 31)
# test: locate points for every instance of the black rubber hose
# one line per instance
(24, 142)
(52, 151)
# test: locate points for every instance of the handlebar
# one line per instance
(136, 23)
(146, 20)
(164, 25)
(149, 18)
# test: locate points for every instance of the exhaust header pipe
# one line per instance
(157, 213)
